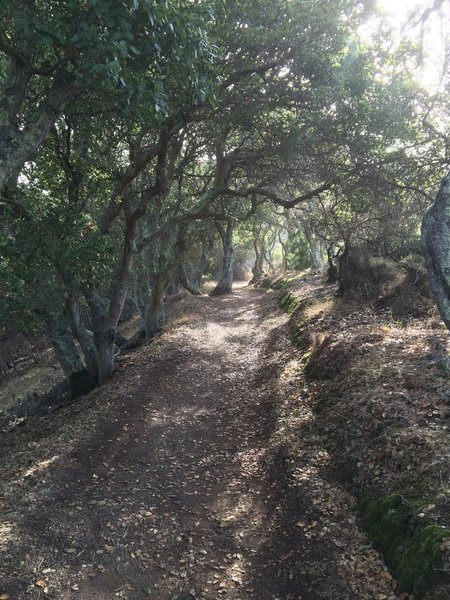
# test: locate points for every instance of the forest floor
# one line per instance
(176, 479)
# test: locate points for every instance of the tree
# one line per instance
(436, 243)
(185, 118)
(104, 163)
(53, 52)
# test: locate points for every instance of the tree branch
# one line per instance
(13, 53)
(17, 208)
(254, 69)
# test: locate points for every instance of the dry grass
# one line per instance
(319, 308)
(381, 388)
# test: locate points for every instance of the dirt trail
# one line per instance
(181, 484)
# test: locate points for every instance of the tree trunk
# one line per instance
(155, 314)
(257, 268)
(20, 146)
(174, 287)
(207, 246)
(170, 255)
(105, 352)
(284, 252)
(104, 334)
(85, 339)
(332, 273)
(139, 302)
(105, 312)
(185, 282)
(68, 355)
(225, 284)
(436, 246)
(315, 250)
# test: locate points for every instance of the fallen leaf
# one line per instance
(42, 584)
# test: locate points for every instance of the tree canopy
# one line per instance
(136, 137)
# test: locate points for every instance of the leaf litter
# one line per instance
(195, 472)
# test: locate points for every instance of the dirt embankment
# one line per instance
(377, 379)
(198, 471)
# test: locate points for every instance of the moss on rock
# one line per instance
(287, 300)
(411, 545)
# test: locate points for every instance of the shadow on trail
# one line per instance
(289, 562)
(177, 493)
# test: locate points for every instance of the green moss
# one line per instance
(411, 546)
(266, 283)
(280, 284)
(420, 557)
(288, 301)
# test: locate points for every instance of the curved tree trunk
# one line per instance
(185, 282)
(17, 146)
(315, 249)
(106, 355)
(332, 272)
(207, 246)
(104, 335)
(436, 245)
(284, 252)
(156, 285)
(225, 284)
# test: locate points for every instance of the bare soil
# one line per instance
(197, 471)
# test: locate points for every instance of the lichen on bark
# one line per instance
(436, 246)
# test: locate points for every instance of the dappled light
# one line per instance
(224, 300)
(186, 489)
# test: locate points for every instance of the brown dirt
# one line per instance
(197, 471)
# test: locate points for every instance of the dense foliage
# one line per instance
(137, 138)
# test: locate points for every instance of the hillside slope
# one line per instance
(375, 375)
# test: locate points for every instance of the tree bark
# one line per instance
(155, 314)
(315, 250)
(104, 334)
(105, 312)
(105, 353)
(68, 355)
(332, 272)
(284, 252)
(168, 259)
(85, 339)
(19, 146)
(436, 246)
(185, 282)
(225, 284)
(257, 268)
(207, 246)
